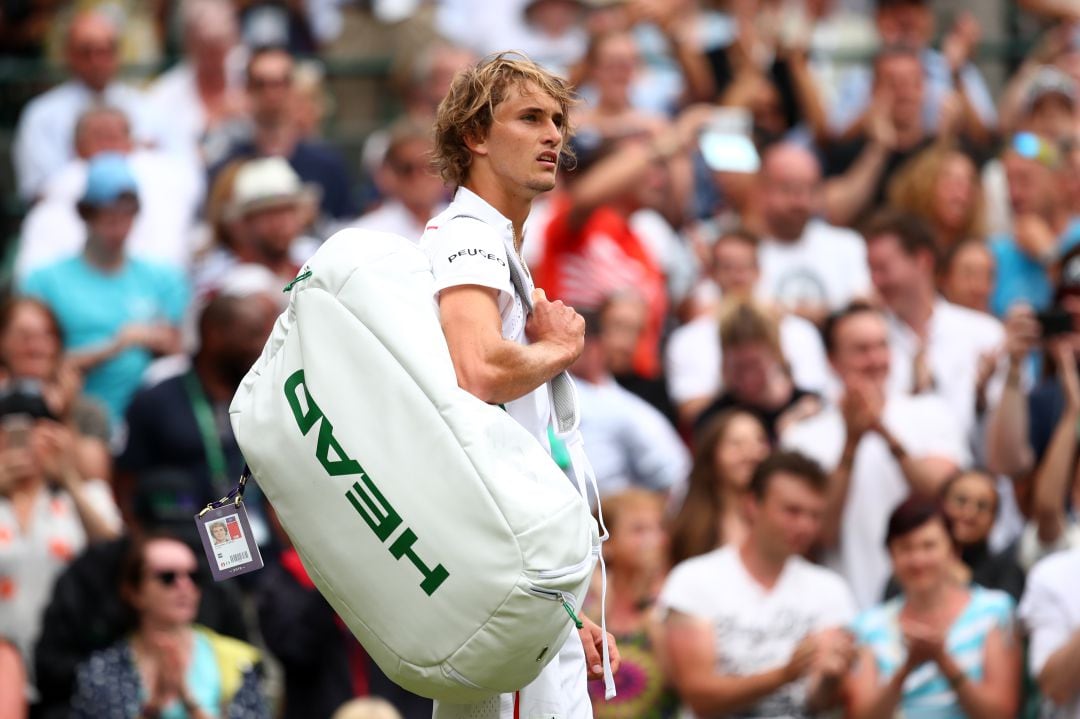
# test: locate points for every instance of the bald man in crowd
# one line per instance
(45, 136)
(807, 265)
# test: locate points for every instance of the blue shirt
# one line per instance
(1021, 278)
(926, 691)
(92, 306)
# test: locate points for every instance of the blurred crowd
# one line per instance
(831, 281)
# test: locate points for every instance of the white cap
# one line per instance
(266, 182)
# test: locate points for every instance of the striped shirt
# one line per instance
(927, 693)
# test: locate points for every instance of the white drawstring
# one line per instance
(585, 476)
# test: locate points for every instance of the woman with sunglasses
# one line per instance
(168, 667)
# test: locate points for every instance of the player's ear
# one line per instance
(477, 144)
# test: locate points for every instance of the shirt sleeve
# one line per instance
(938, 434)
(1045, 619)
(851, 100)
(840, 610)
(99, 495)
(682, 592)
(656, 452)
(692, 367)
(36, 152)
(805, 352)
(465, 251)
(816, 440)
(974, 87)
(34, 286)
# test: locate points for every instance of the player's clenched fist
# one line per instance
(557, 324)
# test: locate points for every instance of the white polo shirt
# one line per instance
(957, 336)
(472, 250)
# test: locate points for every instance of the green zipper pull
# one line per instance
(301, 276)
(570, 610)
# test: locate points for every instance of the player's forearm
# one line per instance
(723, 694)
(510, 371)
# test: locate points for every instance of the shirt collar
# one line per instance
(471, 203)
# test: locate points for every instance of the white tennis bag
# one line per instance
(437, 527)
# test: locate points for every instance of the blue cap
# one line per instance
(108, 177)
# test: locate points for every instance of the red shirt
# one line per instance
(584, 266)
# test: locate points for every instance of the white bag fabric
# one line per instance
(439, 530)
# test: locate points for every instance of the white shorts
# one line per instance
(560, 692)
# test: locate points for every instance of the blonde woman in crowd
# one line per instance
(941, 185)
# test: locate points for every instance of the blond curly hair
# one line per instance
(468, 109)
(913, 190)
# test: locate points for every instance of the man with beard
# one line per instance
(180, 449)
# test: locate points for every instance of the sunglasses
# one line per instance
(168, 577)
(262, 83)
(412, 169)
(91, 49)
(962, 501)
(1032, 147)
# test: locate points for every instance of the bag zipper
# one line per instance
(460, 678)
(569, 601)
(565, 571)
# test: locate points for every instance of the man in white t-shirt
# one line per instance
(878, 448)
(936, 346)
(498, 137)
(807, 265)
(755, 630)
(693, 353)
(1050, 612)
